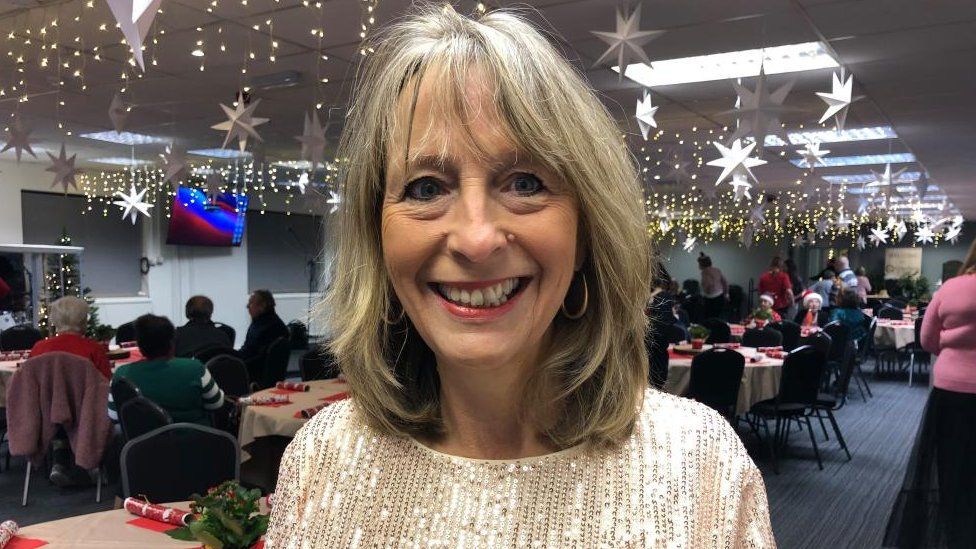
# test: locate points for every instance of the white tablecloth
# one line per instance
(7, 369)
(894, 334)
(760, 380)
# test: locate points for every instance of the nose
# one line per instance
(475, 234)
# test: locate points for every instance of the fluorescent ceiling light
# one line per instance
(202, 170)
(293, 164)
(220, 153)
(120, 161)
(125, 138)
(735, 64)
(859, 160)
(832, 136)
(862, 178)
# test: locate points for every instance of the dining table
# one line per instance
(760, 378)
(894, 333)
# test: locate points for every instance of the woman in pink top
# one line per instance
(946, 443)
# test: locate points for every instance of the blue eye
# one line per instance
(526, 184)
(424, 189)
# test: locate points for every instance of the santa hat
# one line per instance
(809, 296)
(767, 297)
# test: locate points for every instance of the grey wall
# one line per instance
(110, 263)
(278, 247)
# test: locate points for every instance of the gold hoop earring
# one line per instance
(586, 301)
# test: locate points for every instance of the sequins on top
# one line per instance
(683, 479)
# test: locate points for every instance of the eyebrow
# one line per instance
(448, 164)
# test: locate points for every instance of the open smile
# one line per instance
(486, 299)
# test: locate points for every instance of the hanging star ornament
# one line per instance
(132, 203)
(740, 186)
(758, 215)
(677, 168)
(689, 244)
(334, 200)
(812, 155)
(240, 122)
(924, 235)
(118, 113)
(898, 231)
(878, 236)
(626, 42)
(822, 226)
(64, 170)
(838, 100)
(735, 159)
(758, 110)
(952, 234)
(799, 241)
(18, 139)
(134, 17)
(174, 166)
(313, 141)
(302, 182)
(860, 242)
(886, 178)
(843, 222)
(645, 114)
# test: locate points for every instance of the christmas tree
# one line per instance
(62, 278)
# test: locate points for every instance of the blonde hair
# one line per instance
(70, 314)
(590, 385)
(969, 264)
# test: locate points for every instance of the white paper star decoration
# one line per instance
(735, 159)
(952, 234)
(64, 170)
(134, 18)
(645, 114)
(664, 225)
(924, 235)
(677, 168)
(240, 122)
(812, 155)
(843, 222)
(689, 244)
(627, 41)
(334, 200)
(899, 230)
(878, 236)
(758, 110)
(838, 100)
(740, 186)
(886, 178)
(822, 226)
(860, 242)
(799, 242)
(18, 139)
(174, 166)
(302, 182)
(716, 226)
(313, 141)
(758, 215)
(132, 204)
(118, 113)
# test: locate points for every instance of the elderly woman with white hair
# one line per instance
(69, 318)
(492, 261)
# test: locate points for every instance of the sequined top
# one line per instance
(683, 479)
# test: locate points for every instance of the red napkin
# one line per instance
(24, 543)
(153, 525)
(336, 397)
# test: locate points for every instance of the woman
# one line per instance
(715, 289)
(777, 283)
(812, 313)
(492, 229)
(69, 317)
(863, 285)
(940, 469)
(848, 312)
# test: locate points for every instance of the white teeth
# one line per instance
(455, 294)
(465, 297)
(477, 298)
(490, 296)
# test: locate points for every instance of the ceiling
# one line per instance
(911, 61)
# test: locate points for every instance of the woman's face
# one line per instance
(764, 305)
(480, 247)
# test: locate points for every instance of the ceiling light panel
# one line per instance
(859, 160)
(833, 136)
(125, 138)
(120, 161)
(735, 64)
(862, 178)
(220, 153)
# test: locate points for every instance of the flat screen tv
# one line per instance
(196, 221)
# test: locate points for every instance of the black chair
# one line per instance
(318, 363)
(657, 355)
(865, 348)
(798, 391)
(669, 333)
(791, 333)
(840, 337)
(765, 337)
(123, 390)
(204, 355)
(718, 331)
(820, 341)
(230, 374)
(897, 303)
(19, 338)
(231, 332)
(891, 313)
(275, 362)
(716, 376)
(915, 354)
(140, 415)
(829, 402)
(194, 459)
(736, 298)
(125, 332)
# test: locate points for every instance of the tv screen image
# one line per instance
(195, 221)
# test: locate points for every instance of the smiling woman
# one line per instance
(491, 267)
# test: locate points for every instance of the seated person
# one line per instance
(812, 313)
(849, 314)
(181, 386)
(266, 326)
(766, 305)
(199, 332)
(69, 318)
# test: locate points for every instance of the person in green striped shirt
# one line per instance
(181, 386)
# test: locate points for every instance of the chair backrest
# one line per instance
(890, 313)
(840, 335)
(736, 297)
(790, 331)
(918, 331)
(173, 462)
(204, 355)
(318, 363)
(19, 338)
(276, 362)
(716, 376)
(802, 372)
(691, 286)
(140, 415)
(657, 356)
(846, 371)
(230, 374)
(229, 330)
(766, 337)
(125, 332)
(718, 330)
(668, 333)
(820, 341)
(123, 390)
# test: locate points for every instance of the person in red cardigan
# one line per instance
(69, 316)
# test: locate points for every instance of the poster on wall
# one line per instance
(900, 262)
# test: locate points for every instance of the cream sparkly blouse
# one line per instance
(683, 479)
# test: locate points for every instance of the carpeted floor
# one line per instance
(845, 505)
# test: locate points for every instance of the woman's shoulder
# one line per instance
(331, 424)
(689, 429)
